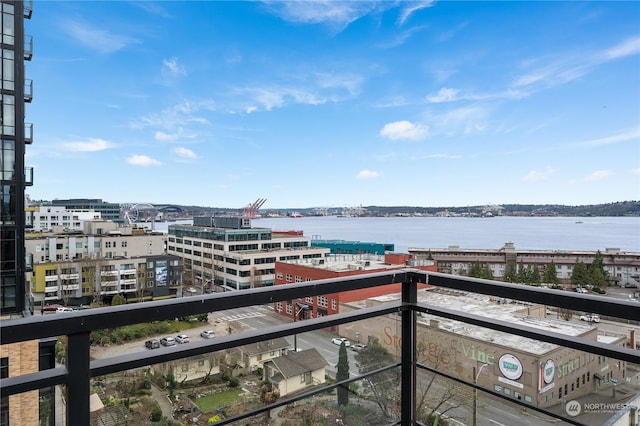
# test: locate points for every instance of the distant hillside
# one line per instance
(623, 208)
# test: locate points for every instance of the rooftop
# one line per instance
(510, 311)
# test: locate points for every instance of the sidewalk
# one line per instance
(163, 401)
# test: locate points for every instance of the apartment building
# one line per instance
(227, 253)
(74, 267)
(15, 300)
(42, 218)
(620, 266)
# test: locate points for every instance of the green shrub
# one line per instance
(156, 414)
(233, 381)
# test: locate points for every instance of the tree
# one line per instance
(522, 273)
(118, 299)
(343, 374)
(579, 274)
(383, 386)
(598, 276)
(534, 277)
(510, 275)
(436, 396)
(475, 271)
(551, 274)
(486, 272)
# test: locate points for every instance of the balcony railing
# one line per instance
(77, 326)
(28, 133)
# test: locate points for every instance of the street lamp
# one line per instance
(475, 392)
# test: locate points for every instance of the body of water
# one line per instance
(533, 233)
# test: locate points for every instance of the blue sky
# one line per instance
(333, 104)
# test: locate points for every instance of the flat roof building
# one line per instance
(226, 253)
(539, 373)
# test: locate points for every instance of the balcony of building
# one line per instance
(28, 9)
(28, 133)
(28, 47)
(28, 176)
(28, 90)
(472, 378)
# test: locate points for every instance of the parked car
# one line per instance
(191, 290)
(182, 338)
(340, 340)
(81, 307)
(631, 285)
(51, 308)
(208, 334)
(590, 318)
(358, 347)
(168, 341)
(152, 344)
(582, 290)
(64, 309)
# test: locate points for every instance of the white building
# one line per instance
(42, 218)
(227, 253)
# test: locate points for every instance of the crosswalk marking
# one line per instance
(243, 316)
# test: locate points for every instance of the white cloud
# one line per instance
(172, 67)
(95, 38)
(445, 94)
(635, 171)
(320, 89)
(620, 137)
(626, 48)
(399, 130)
(598, 175)
(537, 176)
(413, 7)
(565, 67)
(180, 114)
(89, 145)
(169, 137)
(142, 160)
(185, 153)
(368, 174)
(337, 14)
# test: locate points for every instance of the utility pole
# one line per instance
(475, 392)
(295, 314)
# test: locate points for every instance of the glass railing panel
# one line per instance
(571, 383)
(39, 407)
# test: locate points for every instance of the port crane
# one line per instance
(251, 210)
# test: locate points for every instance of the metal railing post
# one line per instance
(408, 369)
(78, 410)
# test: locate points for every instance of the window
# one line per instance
(124, 244)
(289, 278)
(4, 368)
(279, 275)
(334, 304)
(298, 279)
